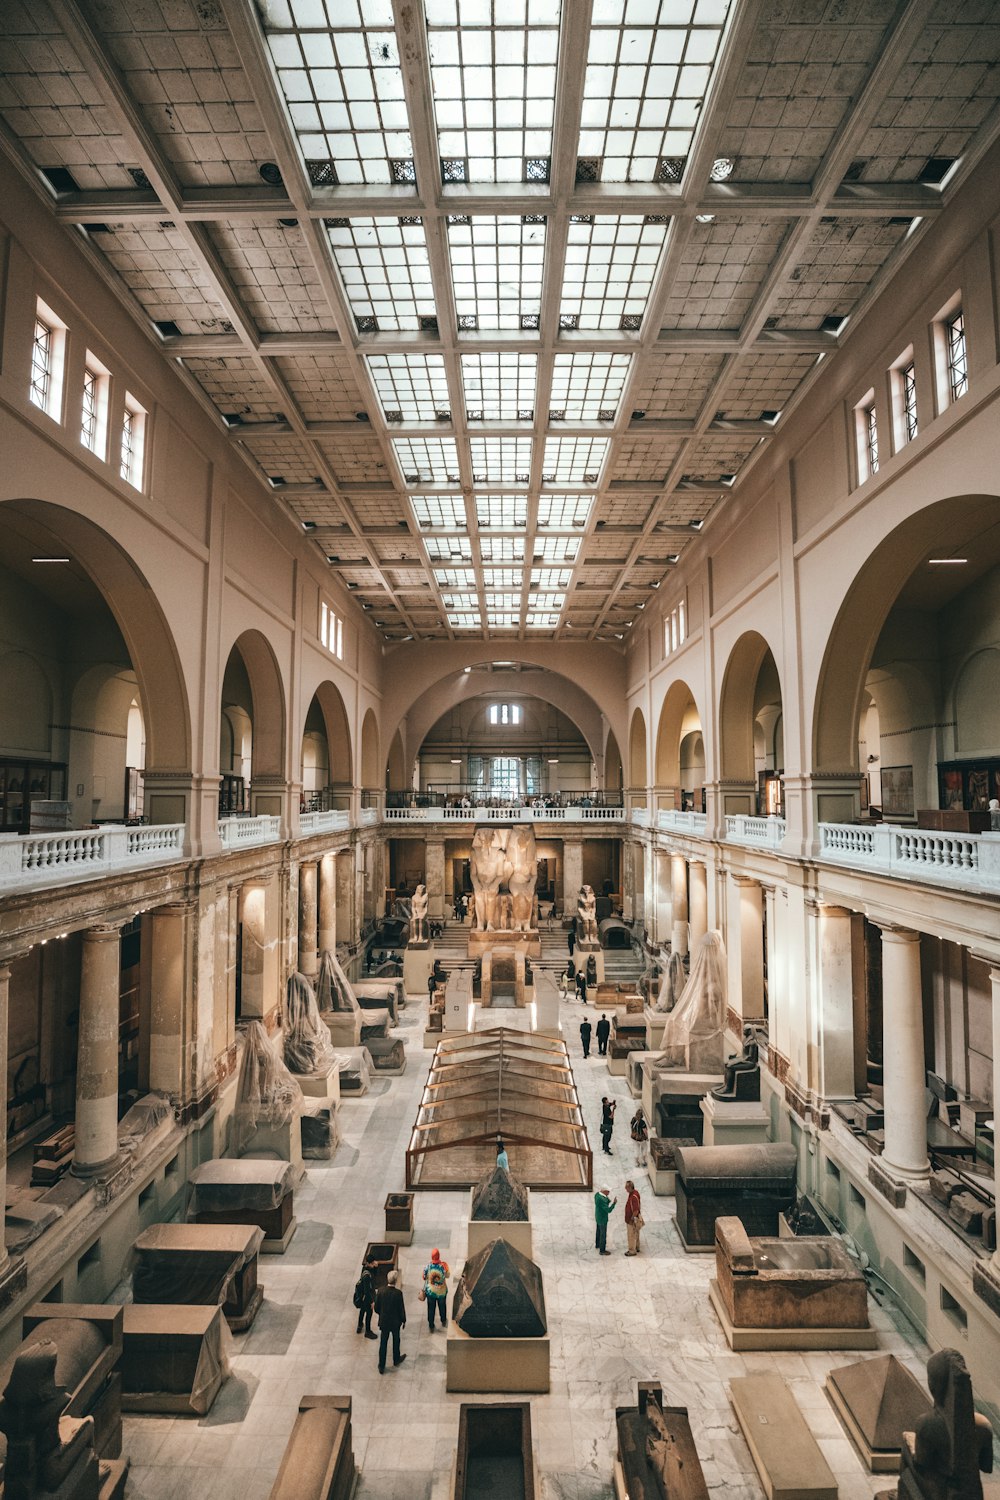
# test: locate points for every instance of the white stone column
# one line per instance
(903, 1070)
(253, 902)
(169, 960)
(328, 903)
(679, 902)
(434, 876)
(746, 947)
(308, 953)
(995, 993)
(835, 1004)
(661, 930)
(4, 1020)
(572, 875)
(697, 901)
(97, 1052)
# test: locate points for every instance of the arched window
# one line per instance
(505, 713)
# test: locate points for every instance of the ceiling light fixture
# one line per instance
(944, 562)
(50, 559)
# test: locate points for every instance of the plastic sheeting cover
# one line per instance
(693, 1034)
(250, 1184)
(672, 984)
(333, 990)
(308, 1048)
(266, 1093)
(147, 1116)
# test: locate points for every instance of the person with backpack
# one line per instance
(435, 1289)
(364, 1300)
(639, 1131)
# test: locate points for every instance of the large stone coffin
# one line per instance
(210, 1264)
(174, 1358)
(755, 1183)
(387, 1053)
(676, 1102)
(799, 1293)
(248, 1191)
(494, 1459)
(877, 1401)
(656, 1454)
(500, 1208)
(497, 1337)
(88, 1340)
(318, 1462)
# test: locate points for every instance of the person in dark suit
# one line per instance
(603, 1032)
(608, 1108)
(571, 939)
(391, 1313)
(585, 1029)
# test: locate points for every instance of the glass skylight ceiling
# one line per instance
(411, 387)
(496, 267)
(501, 460)
(501, 512)
(646, 81)
(439, 512)
(564, 512)
(587, 387)
(499, 387)
(343, 85)
(610, 265)
(431, 460)
(496, 549)
(384, 267)
(494, 81)
(573, 460)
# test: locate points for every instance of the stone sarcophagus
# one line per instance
(753, 1182)
(494, 1456)
(212, 1264)
(801, 1293)
(88, 1343)
(318, 1462)
(656, 1455)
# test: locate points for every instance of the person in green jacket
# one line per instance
(603, 1204)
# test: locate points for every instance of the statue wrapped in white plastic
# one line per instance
(672, 984)
(693, 1035)
(418, 918)
(586, 919)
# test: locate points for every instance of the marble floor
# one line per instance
(612, 1322)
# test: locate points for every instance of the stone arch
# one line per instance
(964, 522)
(396, 777)
(977, 703)
(267, 706)
(613, 769)
(25, 704)
(371, 776)
(679, 718)
(331, 706)
(737, 706)
(637, 763)
(139, 616)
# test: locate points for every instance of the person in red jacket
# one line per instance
(633, 1217)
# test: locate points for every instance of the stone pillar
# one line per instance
(345, 897)
(169, 989)
(328, 903)
(746, 947)
(679, 900)
(308, 956)
(834, 1007)
(253, 903)
(434, 877)
(903, 1070)
(572, 875)
(97, 1052)
(995, 991)
(697, 900)
(4, 1020)
(661, 930)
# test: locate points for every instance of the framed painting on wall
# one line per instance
(951, 789)
(897, 791)
(979, 788)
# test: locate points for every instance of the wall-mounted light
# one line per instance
(945, 562)
(50, 559)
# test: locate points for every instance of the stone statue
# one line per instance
(942, 1459)
(418, 917)
(504, 856)
(591, 972)
(742, 1072)
(46, 1451)
(672, 987)
(586, 917)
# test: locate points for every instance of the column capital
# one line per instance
(103, 932)
(893, 934)
(738, 878)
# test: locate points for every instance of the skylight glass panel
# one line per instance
(439, 512)
(499, 387)
(503, 578)
(494, 81)
(556, 549)
(550, 578)
(449, 549)
(503, 619)
(386, 275)
(610, 265)
(496, 549)
(504, 601)
(496, 267)
(588, 387)
(573, 460)
(464, 620)
(500, 512)
(542, 619)
(563, 512)
(427, 460)
(460, 600)
(411, 387)
(645, 83)
(455, 578)
(541, 601)
(343, 87)
(501, 460)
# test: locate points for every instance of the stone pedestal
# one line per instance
(324, 1086)
(418, 961)
(344, 1026)
(744, 1122)
(496, 1364)
(546, 1005)
(481, 1232)
(656, 1021)
(282, 1141)
(529, 943)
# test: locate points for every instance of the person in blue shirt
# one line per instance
(502, 1160)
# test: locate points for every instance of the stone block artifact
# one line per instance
(877, 1400)
(500, 1196)
(657, 1457)
(500, 1295)
(504, 856)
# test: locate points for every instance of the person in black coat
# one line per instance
(585, 1029)
(603, 1032)
(391, 1318)
(364, 1300)
(571, 939)
(581, 986)
(608, 1108)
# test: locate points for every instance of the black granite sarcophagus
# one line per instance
(754, 1183)
(679, 1117)
(500, 1295)
(499, 1196)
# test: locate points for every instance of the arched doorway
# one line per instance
(680, 752)
(326, 752)
(637, 772)
(251, 730)
(751, 741)
(371, 775)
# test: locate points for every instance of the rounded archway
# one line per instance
(680, 744)
(614, 772)
(396, 778)
(251, 722)
(326, 759)
(370, 772)
(751, 741)
(637, 774)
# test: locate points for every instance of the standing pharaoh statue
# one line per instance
(418, 918)
(587, 934)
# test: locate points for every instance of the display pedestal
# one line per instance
(529, 943)
(344, 1026)
(580, 957)
(496, 1364)
(656, 1022)
(482, 1232)
(325, 1086)
(744, 1122)
(282, 1141)
(417, 966)
(546, 996)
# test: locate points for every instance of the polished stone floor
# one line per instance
(612, 1322)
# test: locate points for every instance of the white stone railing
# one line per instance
(38, 859)
(242, 830)
(640, 816)
(765, 833)
(682, 822)
(369, 816)
(333, 820)
(961, 859)
(504, 815)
